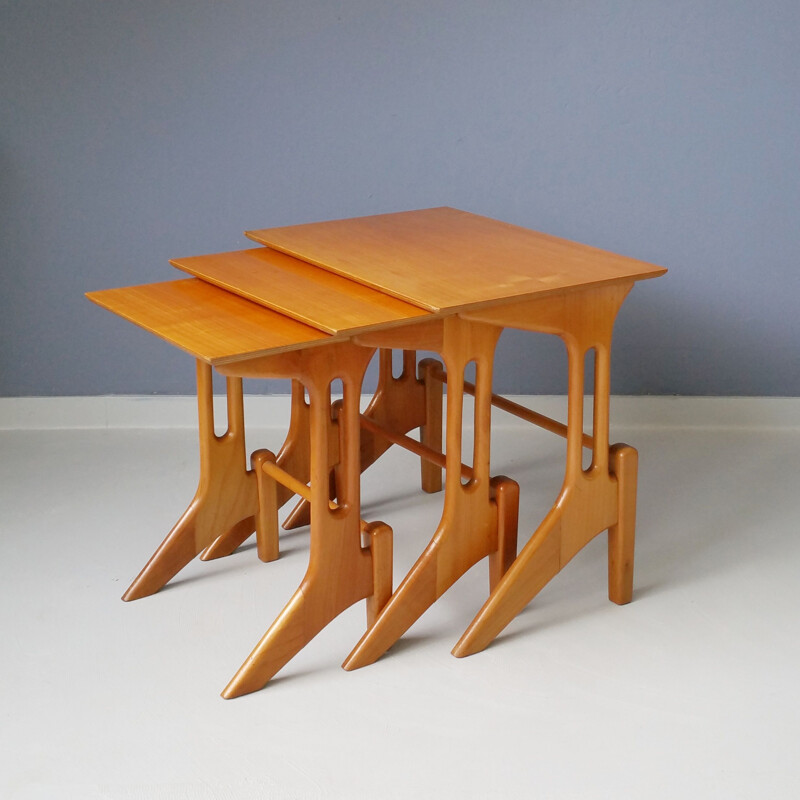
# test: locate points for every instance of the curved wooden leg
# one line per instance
(319, 599)
(293, 457)
(583, 509)
(591, 500)
(341, 571)
(399, 405)
(539, 561)
(468, 529)
(226, 493)
(312, 607)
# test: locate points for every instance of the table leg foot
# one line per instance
(226, 496)
(379, 536)
(230, 541)
(621, 536)
(306, 614)
(505, 493)
(174, 553)
(413, 597)
(539, 561)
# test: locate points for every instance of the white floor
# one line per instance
(690, 691)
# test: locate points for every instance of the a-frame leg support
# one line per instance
(469, 527)
(226, 494)
(341, 570)
(591, 500)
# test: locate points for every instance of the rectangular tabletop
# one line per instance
(442, 259)
(300, 290)
(216, 326)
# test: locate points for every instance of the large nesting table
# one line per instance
(313, 304)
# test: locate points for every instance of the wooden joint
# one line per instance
(297, 487)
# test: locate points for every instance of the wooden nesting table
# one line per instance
(313, 304)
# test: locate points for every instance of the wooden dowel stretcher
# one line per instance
(298, 487)
(411, 444)
(509, 406)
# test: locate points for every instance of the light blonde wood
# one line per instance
(341, 571)
(300, 290)
(444, 259)
(212, 325)
(468, 530)
(590, 499)
(226, 493)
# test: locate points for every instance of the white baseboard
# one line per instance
(266, 411)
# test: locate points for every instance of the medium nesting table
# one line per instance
(313, 304)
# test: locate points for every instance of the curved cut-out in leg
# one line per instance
(400, 404)
(467, 531)
(293, 457)
(226, 494)
(591, 500)
(430, 433)
(341, 571)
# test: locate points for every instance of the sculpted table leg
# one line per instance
(226, 493)
(468, 530)
(341, 571)
(591, 500)
(293, 457)
(399, 404)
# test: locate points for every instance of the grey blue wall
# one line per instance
(133, 131)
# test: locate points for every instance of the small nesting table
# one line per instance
(313, 304)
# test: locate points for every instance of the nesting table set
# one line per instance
(314, 303)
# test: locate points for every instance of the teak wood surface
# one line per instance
(210, 324)
(600, 497)
(440, 280)
(273, 279)
(445, 259)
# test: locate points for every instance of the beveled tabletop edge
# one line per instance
(649, 270)
(185, 264)
(103, 297)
